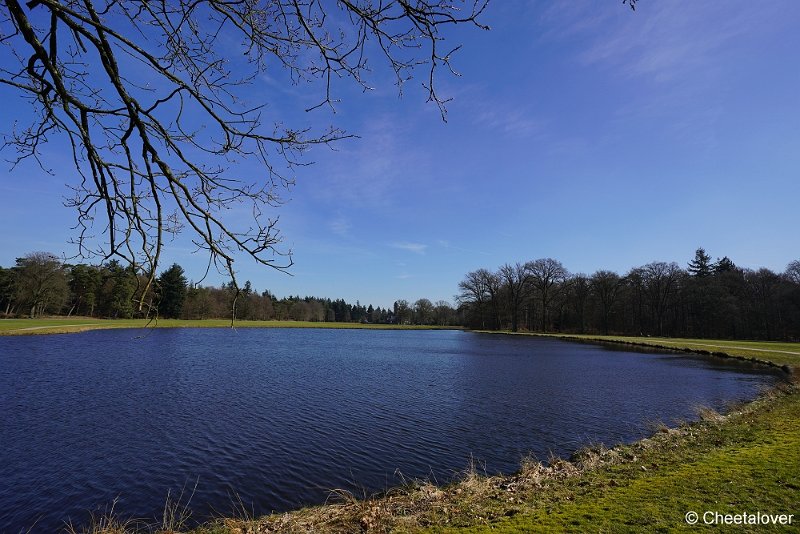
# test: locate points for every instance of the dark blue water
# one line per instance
(276, 418)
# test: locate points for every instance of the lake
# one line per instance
(275, 418)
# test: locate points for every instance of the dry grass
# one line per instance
(709, 415)
(106, 522)
(177, 513)
(174, 519)
(473, 499)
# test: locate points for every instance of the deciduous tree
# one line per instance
(606, 286)
(660, 280)
(793, 271)
(8, 279)
(41, 283)
(423, 311)
(402, 311)
(515, 283)
(549, 277)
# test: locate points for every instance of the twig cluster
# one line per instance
(151, 95)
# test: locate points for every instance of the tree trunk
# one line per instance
(544, 313)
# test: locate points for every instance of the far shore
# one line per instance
(783, 355)
(69, 325)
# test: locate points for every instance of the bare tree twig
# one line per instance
(147, 92)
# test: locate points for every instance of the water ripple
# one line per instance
(277, 418)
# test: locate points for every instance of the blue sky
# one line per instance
(579, 130)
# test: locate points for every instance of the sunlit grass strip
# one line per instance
(769, 352)
(62, 325)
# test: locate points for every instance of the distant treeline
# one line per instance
(41, 284)
(708, 299)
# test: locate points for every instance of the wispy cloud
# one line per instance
(340, 226)
(668, 40)
(368, 172)
(449, 246)
(660, 41)
(561, 20)
(511, 118)
(513, 122)
(670, 54)
(417, 248)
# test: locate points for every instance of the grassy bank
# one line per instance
(64, 325)
(767, 352)
(745, 461)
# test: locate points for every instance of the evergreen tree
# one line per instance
(118, 288)
(172, 292)
(700, 266)
(724, 265)
(84, 285)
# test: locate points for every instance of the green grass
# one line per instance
(775, 352)
(62, 325)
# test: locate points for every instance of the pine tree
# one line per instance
(700, 266)
(172, 292)
(119, 287)
(724, 265)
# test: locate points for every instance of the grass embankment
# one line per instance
(744, 462)
(66, 325)
(766, 352)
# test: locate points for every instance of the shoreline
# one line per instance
(64, 325)
(595, 488)
(672, 345)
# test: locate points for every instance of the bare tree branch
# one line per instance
(148, 91)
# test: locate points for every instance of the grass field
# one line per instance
(744, 462)
(779, 353)
(63, 325)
